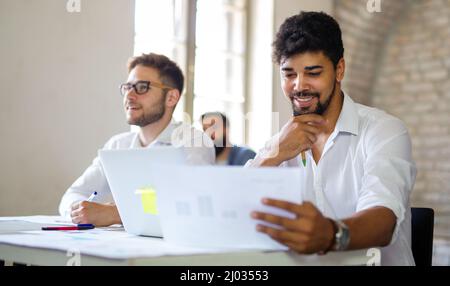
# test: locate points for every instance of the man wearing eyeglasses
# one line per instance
(150, 96)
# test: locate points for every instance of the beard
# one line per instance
(219, 150)
(220, 145)
(320, 108)
(150, 117)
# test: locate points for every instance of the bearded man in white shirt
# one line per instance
(150, 96)
(359, 170)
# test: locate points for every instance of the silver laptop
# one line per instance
(131, 174)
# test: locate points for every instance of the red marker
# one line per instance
(80, 227)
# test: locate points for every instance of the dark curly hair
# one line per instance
(309, 32)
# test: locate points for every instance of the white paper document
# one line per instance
(110, 242)
(210, 207)
(57, 220)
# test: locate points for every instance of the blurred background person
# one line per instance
(217, 126)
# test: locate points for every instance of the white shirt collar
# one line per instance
(164, 138)
(348, 120)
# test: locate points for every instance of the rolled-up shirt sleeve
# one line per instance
(255, 162)
(389, 170)
(263, 154)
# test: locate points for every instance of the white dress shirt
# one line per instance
(366, 162)
(199, 148)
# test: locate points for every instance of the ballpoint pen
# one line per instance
(303, 152)
(91, 197)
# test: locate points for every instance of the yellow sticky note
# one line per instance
(148, 198)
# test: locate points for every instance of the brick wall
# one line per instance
(364, 35)
(399, 60)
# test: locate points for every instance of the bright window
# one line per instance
(160, 28)
(220, 62)
(220, 49)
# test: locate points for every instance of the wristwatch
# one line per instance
(341, 236)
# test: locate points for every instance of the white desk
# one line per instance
(33, 253)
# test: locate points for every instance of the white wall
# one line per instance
(59, 78)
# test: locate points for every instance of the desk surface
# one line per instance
(28, 245)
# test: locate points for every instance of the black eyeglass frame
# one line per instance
(148, 84)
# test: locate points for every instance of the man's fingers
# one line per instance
(78, 207)
(311, 129)
(80, 220)
(301, 224)
(312, 139)
(275, 219)
(304, 209)
(282, 236)
(298, 247)
(77, 220)
(281, 204)
(75, 206)
(75, 213)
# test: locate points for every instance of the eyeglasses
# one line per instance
(141, 87)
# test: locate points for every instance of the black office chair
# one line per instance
(422, 226)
